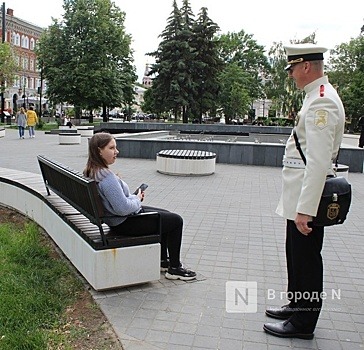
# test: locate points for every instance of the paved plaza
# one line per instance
(231, 236)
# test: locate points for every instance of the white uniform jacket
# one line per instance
(320, 128)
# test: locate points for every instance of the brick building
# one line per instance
(23, 37)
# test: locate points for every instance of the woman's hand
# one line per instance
(140, 195)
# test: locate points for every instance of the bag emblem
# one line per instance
(333, 210)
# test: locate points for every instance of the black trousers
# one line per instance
(361, 139)
(305, 275)
(171, 236)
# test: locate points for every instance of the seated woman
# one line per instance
(119, 202)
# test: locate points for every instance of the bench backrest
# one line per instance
(76, 189)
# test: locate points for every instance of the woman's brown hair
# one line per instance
(95, 162)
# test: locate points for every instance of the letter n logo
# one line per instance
(241, 297)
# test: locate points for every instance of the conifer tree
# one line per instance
(207, 64)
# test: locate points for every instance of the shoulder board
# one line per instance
(322, 90)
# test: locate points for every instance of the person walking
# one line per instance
(32, 120)
(21, 121)
(361, 125)
(320, 129)
(119, 202)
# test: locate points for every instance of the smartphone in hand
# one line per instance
(142, 187)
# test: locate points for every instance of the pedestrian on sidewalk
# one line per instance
(320, 129)
(361, 125)
(21, 121)
(32, 120)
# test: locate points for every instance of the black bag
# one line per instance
(335, 202)
(335, 199)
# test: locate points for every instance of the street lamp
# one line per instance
(20, 90)
(24, 105)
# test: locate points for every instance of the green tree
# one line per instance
(346, 72)
(87, 56)
(169, 67)
(234, 98)
(277, 88)
(187, 61)
(187, 65)
(173, 87)
(8, 68)
(280, 88)
(207, 64)
(242, 49)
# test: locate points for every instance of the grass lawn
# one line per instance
(42, 304)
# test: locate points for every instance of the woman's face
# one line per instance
(109, 152)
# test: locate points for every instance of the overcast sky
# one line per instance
(268, 21)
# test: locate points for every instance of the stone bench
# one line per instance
(69, 138)
(61, 131)
(2, 132)
(67, 206)
(85, 131)
(342, 170)
(64, 127)
(186, 162)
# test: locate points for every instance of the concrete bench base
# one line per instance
(2, 132)
(186, 162)
(69, 139)
(64, 127)
(62, 130)
(85, 131)
(342, 170)
(103, 269)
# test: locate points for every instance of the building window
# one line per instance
(24, 42)
(31, 65)
(16, 39)
(25, 63)
(32, 44)
(16, 82)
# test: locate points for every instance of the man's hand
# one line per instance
(301, 222)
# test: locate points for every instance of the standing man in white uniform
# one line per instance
(320, 128)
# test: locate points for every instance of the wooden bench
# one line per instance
(70, 211)
(186, 162)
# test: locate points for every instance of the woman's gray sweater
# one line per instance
(116, 198)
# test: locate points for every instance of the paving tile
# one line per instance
(181, 339)
(205, 342)
(224, 240)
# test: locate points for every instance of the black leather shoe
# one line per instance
(286, 329)
(280, 313)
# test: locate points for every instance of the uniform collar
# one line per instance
(316, 84)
